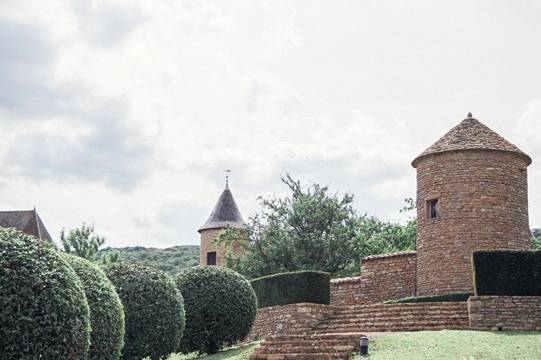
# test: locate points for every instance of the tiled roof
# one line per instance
(470, 134)
(27, 221)
(225, 213)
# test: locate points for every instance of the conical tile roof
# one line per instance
(225, 213)
(470, 134)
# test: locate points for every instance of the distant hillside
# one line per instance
(171, 260)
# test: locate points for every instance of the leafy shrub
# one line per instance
(43, 310)
(292, 287)
(106, 312)
(153, 307)
(220, 308)
(507, 272)
(450, 297)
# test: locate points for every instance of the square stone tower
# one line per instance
(472, 194)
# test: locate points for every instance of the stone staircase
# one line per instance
(337, 335)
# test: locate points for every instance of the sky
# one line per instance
(125, 114)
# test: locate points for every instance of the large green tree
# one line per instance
(311, 229)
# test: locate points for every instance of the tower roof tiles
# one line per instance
(470, 134)
(225, 213)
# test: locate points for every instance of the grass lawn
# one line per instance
(238, 353)
(428, 345)
(455, 345)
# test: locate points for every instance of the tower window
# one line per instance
(211, 258)
(433, 209)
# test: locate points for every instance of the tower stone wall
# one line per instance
(482, 203)
(207, 245)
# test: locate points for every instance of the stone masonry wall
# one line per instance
(483, 203)
(274, 320)
(207, 245)
(383, 277)
(520, 313)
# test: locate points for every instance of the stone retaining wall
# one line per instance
(383, 277)
(274, 320)
(519, 313)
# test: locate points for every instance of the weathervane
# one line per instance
(227, 172)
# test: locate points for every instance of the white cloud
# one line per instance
(134, 108)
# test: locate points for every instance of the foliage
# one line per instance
(153, 308)
(507, 272)
(311, 229)
(241, 352)
(43, 310)
(220, 308)
(379, 237)
(82, 241)
(450, 297)
(106, 311)
(454, 345)
(536, 242)
(171, 260)
(293, 287)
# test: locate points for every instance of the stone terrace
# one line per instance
(333, 333)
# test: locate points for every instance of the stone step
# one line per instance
(288, 349)
(300, 356)
(324, 336)
(374, 317)
(435, 321)
(310, 342)
(449, 304)
(398, 312)
(386, 327)
(362, 322)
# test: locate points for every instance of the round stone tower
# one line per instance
(225, 213)
(472, 194)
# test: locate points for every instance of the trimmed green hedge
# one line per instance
(507, 272)
(450, 297)
(293, 287)
(106, 311)
(43, 309)
(153, 307)
(220, 308)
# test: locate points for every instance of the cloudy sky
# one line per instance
(126, 113)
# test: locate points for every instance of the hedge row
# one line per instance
(450, 297)
(43, 309)
(507, 272)
(220, 308)
(292, 287)
(154, 310)
(106, 311)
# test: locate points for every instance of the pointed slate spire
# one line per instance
(225, 212)
(470, 134)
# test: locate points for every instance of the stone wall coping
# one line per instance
(384, 256)
(345, 280)
(295, 305)
(503, 297)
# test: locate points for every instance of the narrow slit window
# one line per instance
(433, 209)
(211, 258)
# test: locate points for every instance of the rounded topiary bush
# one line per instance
(106, 312)
(153, 308)
(220, 308)
(43, 309)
